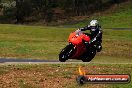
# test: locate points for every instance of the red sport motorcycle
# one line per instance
(76, 49)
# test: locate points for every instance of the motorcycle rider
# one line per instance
(95, 36)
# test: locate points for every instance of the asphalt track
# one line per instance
(10, 61)
(4, 61)
(35, 61)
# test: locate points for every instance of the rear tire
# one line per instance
(65, 53)
(89, 55)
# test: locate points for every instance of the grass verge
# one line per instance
(59, 76)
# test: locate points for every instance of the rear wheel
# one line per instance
(88, 56)
(65, 53)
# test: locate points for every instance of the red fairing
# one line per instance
(86, 38)
(79, 50)
(77, 40)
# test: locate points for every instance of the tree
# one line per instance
(23, 9)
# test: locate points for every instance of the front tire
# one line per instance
(65, 53)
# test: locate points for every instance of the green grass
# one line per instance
(17, 41)
(59, 75)
(121, 18)
(117, 20)
(31, 41)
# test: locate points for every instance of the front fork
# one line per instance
(71, 46)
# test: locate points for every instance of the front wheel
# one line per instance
(65, 53)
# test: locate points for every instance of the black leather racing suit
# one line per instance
(96, 34)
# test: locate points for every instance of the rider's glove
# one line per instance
(78, 30)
